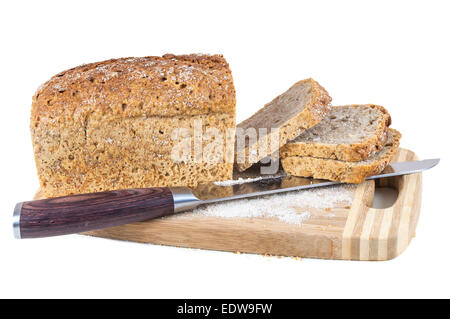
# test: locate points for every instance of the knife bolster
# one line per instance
(184, 199)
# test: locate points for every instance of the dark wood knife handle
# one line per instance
(84, 212)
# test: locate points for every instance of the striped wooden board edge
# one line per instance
(383, 234)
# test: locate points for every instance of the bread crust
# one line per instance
(317, 108)
(342, 171)
(152, 86)
(354, 152)
(107, 125)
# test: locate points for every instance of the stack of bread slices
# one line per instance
(339, 143)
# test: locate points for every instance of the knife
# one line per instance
(85, 212)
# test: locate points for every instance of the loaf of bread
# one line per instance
(304, 105)
(343, 171)
(111, 125)
(349, 133)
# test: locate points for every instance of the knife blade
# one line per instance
(280, 182)
(85, 212)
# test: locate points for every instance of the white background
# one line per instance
(392, 53)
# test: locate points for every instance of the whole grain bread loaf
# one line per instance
(343, 171)
(349, 133)
(110, 125)
(304, 105)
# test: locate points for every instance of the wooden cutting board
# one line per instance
(347, 229)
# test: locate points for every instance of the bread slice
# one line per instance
(349, 133)
(343, 171)
(304, 105)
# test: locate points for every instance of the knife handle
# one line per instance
(85, 212)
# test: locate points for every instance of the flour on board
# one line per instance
(290, 207)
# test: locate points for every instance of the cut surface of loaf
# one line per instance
(110, 125)
(343, 171)
(304, 105)
(348, 133)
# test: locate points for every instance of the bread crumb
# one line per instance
(237, 181)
